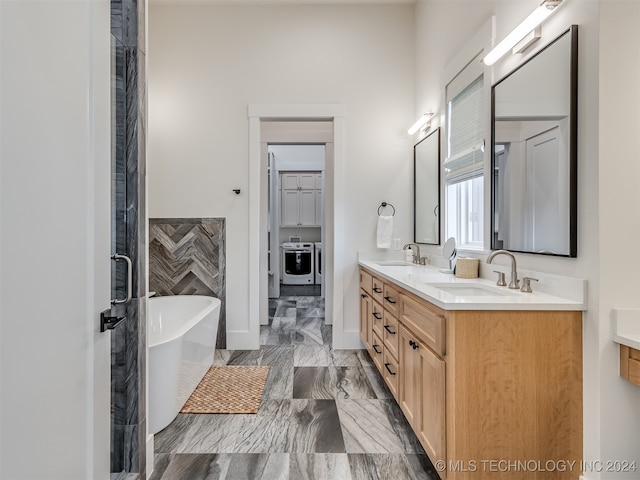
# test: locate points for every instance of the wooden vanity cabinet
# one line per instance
(478, 386)
(379, 326)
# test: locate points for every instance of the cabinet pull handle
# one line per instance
(413, 344)
(388, 369)
(388, 299)
(386, 327)
(363, 295)
(375, 348)
(376, 315)
(377, 290)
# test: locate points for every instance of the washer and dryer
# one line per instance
(298, 263)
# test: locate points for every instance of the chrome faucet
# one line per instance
(513, 283)
(416, 253)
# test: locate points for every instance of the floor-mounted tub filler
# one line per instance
(182, 339)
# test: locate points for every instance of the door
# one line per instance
(547, 173)
(273, 228)
(54, 249)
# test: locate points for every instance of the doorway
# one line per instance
(301, 120)
(295, 228)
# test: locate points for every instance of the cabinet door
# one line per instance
(365, 318)
(408, 391)
(307, 181)
(307, 201)
(319, 204)
(290, 208)
(431, 419)
(318, 181)
(290, 181)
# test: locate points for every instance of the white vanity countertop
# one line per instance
(428, 282)
(626, 327)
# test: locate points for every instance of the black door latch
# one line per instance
(109, 322)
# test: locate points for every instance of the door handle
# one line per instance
(116, 257)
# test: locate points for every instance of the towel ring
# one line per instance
(385, 204)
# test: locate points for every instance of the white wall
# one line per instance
(611, 406)
(208, 63)
(619, 219)
(55, 267)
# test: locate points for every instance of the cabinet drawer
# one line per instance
(365, 281)
(390, 338)
(377, 289)
(390, 372)
(391, 299)
(630, 364)
(377, 351)
(425, 323)
(377, 319)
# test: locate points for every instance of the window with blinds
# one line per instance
(464, 162)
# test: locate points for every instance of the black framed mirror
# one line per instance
(426, 189)
(534, 153)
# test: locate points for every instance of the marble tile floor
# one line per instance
(325, 415)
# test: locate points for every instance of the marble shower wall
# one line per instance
(128, 235)
(187, 257)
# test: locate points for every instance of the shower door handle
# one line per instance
(117, 257)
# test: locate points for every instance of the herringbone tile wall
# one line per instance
(187, 257)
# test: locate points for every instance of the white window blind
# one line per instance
(464, 163)
(465, 126)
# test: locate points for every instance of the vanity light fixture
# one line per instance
(422, 124)
(546, 8)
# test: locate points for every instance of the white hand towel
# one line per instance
(385, 231)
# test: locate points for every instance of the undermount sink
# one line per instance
(471, 290)
(394, 263)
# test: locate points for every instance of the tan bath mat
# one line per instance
(228, 389)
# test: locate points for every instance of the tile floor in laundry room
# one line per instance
(325, 414)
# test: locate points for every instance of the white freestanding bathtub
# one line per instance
(182, 339)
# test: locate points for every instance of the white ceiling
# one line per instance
(280, 2)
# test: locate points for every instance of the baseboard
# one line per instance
(150, 458)
(242, 341)
(349, 341)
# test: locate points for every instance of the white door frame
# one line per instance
(334, 217)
